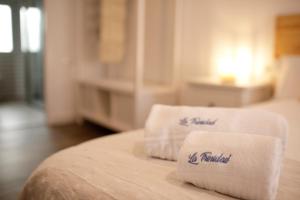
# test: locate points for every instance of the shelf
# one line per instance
(215, 82)
(105, 121)
(120, 95)
(111, 85)
(157, 89)
(126, 87)
(112, 103)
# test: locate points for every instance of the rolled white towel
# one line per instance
(167, 126)
(242, 165)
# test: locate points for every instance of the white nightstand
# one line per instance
(211, 92)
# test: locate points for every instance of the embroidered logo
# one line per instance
(193, 159)
(186, 121)
(208, 157)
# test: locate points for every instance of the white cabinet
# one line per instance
(120, 96)
(211, 92)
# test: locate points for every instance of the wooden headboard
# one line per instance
(287, 35)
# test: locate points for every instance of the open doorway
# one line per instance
(21, 63)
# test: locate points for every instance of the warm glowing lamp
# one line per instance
(226, 68)
(228, 78)
(235, 65)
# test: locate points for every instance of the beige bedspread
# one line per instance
(116, 167)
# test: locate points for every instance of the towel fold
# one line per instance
(241, 165)
(167, 126)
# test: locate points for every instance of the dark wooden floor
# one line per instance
(23, 148)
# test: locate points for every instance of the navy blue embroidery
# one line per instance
(209, 157)
(184, 121)
(196, 121)
(193, 159)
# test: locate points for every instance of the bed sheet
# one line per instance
(290, 109)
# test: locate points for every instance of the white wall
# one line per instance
(59, 60)
(212, 28)
(207, 29)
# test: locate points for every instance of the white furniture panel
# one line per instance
(210, 92)
(121, 95)
(122, 107)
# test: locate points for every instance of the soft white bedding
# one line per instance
(290, 109)
(116, 167)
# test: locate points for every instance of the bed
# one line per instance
(116, 167)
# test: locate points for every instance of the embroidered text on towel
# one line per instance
(196, 121)
(208, 157)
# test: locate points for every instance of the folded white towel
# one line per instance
(242, 165)
(167, 126)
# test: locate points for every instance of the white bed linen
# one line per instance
(290, 109)
(116, 167)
